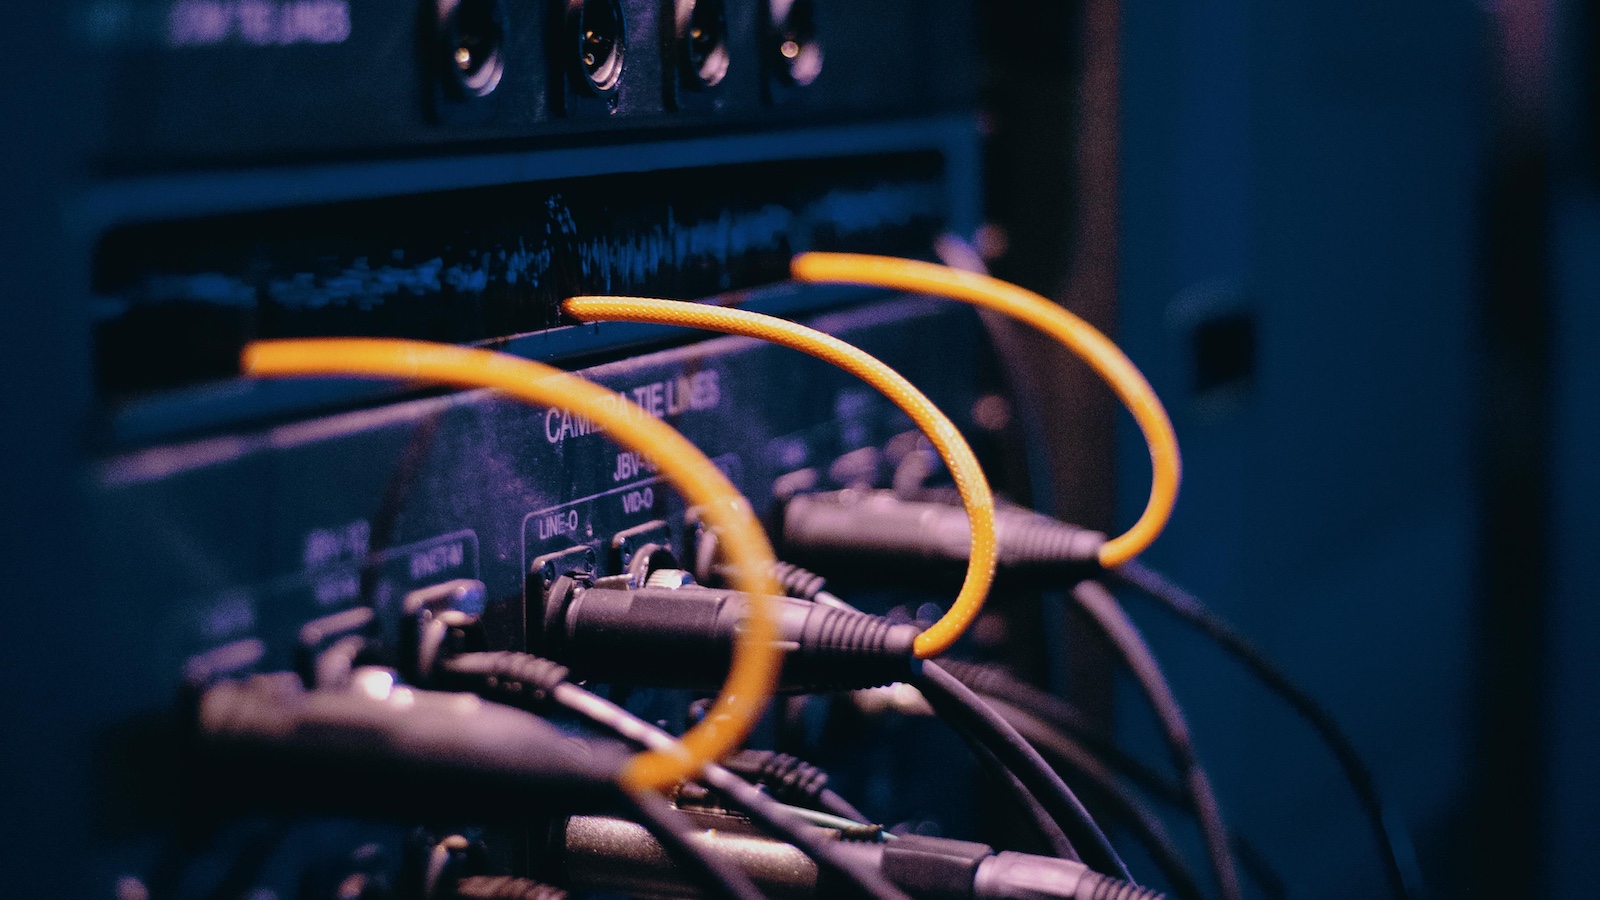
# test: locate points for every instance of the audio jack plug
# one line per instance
(674, 633)
(886, 531)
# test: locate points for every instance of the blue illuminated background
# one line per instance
(1308, 275)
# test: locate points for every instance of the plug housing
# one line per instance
(683, 637)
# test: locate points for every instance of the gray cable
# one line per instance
(954, 701)
(763, 810)
(1109, 616)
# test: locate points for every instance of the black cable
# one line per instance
(798, 581)
(765, 812)
(531, 682)
(792, 780)
(1394, 841)
(251, 860)
(1121, 803)
(995, 682)
(722, 878)
(1109, 616)
(1045, 547)
(801, 583)
(1044, 825)
(524, 680)
(1073, 728)
(1136, 653)
(1040, 545)
(418, 751)
(954, 701)
(772, 818)
(1069, 734)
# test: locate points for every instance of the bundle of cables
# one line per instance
(756, 658)
(843, 649)
(1065, 820)
(1067, 823)
(1030, 541)
(1115, 555)
(668, 762)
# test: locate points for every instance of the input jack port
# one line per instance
(796, 52)
(471, 44)
(598, 33)
(702, 32)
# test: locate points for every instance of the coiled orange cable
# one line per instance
(1079, 336)
(756, 657)
(941, 432)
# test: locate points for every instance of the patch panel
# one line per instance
(303, 523)
(217, 81)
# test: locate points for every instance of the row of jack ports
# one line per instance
(472, 41)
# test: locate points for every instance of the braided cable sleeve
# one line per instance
(753, 674)
(1083, 339)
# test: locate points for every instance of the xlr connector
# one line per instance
(683, 637)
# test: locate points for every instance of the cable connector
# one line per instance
(515, 679)
(801, 584)
(440, 620)
(683, 637)
(1022, 876)
(613, 855)
(792, 580)
(936, 868)
(787, 778)
(883, 527)
(381, 745)
(791, 780)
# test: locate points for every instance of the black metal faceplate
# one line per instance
(211, 556)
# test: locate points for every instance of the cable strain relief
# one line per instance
(856, 650)
(789, 778)
(516, 679)
(798, 582)
(1094, 886)
(1028, 538)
